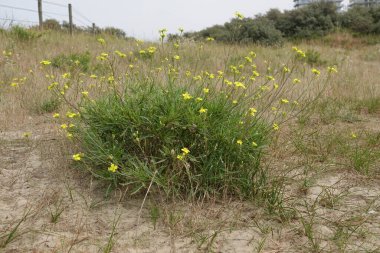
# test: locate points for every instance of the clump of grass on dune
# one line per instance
(187, 144)
(153, 117)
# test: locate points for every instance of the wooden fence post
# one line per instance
(93, 28)
(70, 19)
(40, 18)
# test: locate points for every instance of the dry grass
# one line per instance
(331, 194)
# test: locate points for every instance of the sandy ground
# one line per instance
(342, 211)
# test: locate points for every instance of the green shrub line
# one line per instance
(309, 22)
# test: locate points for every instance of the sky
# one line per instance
(142, 18)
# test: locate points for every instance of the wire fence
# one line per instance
(79, 20)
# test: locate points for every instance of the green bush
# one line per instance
(70, 62)
(259, 31)
(313, 58)
(49, 105)
(52, 24)
(22, 34)
(146, 134)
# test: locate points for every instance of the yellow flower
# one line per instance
(66, 75)
(180, 157)
(254, 144)
(255, 73)
(276, 127)
(300, 53)
(252, 111)
(63, 126)
(239, 142)
(239, 85)
(56, 115)
(163, 32)
(71, 114)
(316, 72)
(52, 85)
(69, 135)
(234, 102)
(199, 99)
(101, 41)
(85, 93)
(239, 16)
(286, 70)
(186, 96)
(206, 90)
(14, 84)
(176, 57)
(26, 134)
(45, 62)
(210, 39)
(353, 135)
(252, 54)
(71, 125)
(296, 80)
(151, 50)
(227, 82)
(270, 78)
(111, 79)
(93, 76)
(112, 168)
(120, 54)
(275, 86)
(77, 157)
(284, 101)
(185, 151)
(332, 69)
(202, 110)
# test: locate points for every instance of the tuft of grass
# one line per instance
(56, 211)
(71, 62)
(153, 129)
(10, 235)
(111, 240)
(369, 105)
(154, 212)
(49, 106)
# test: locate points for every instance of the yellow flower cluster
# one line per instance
(185, 152)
